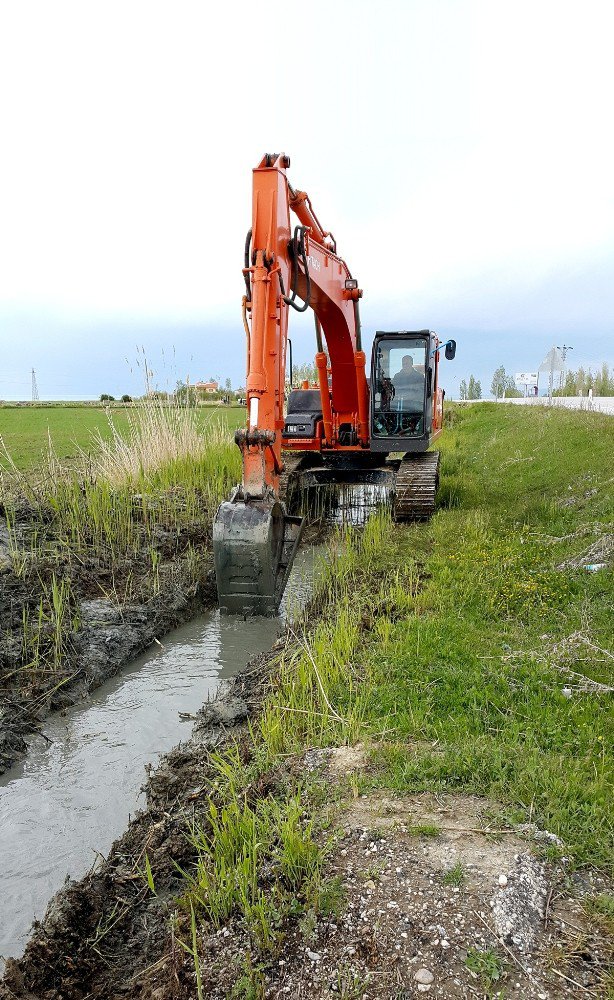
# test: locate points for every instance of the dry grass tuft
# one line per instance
(158, 433)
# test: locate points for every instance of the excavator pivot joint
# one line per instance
(248, 438)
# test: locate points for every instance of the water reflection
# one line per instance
(71, 797)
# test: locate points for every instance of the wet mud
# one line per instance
(116, 608)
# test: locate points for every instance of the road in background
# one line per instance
(598, 404)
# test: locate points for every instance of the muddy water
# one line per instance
(353, 505)
(72, 796)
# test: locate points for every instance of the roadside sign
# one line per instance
(553, 362)
(526, 378)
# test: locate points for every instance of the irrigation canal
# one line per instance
(71, 797)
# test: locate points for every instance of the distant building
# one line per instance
(207, 387)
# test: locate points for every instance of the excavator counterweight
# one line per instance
(340, 428)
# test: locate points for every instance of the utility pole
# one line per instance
(563, 351)
(35, 396)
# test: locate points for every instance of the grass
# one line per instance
(160, 468)
(425, 830)
(601, 907)
(241, 845)
(472, 667)
(26, 430)
(445, 650)
(475, 658)
(456, 875)
(45, 627)
(486, 966)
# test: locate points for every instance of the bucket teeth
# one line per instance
(254, 544)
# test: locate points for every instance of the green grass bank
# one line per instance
(471, 655)
(461, 650)
(26, 430)
(476, 657)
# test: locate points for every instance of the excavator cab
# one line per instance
(406, 407)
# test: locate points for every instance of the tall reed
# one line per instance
(147, 495)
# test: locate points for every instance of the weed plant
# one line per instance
(254, 861)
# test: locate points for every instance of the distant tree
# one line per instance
(499, 382)
(604, 382)
(185, 393)
(126, 398)
(503, 384)
(463, 389)
(474, 390)
(569, 387)
(511, 391)
(228, 385)
(105, 398)
(583, 381)
(305, 372)
(578, 383)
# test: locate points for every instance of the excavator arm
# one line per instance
(286, 267)
(283, 266)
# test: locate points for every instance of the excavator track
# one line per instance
(415, 487)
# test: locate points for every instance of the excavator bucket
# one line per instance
(254, 543)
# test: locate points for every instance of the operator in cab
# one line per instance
(409, 383)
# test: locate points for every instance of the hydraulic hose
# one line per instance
(248, 240)
(297, 250)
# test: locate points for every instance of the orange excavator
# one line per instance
(342, 429)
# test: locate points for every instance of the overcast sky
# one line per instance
(462, 153)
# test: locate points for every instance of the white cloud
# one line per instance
(451, 146)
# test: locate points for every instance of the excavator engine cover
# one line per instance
(254, 542)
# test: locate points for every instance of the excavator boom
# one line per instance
(254, 539)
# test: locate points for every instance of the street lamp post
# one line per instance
(563, 351)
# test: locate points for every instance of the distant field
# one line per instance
(25, 431)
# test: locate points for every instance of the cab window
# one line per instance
(399, 388)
